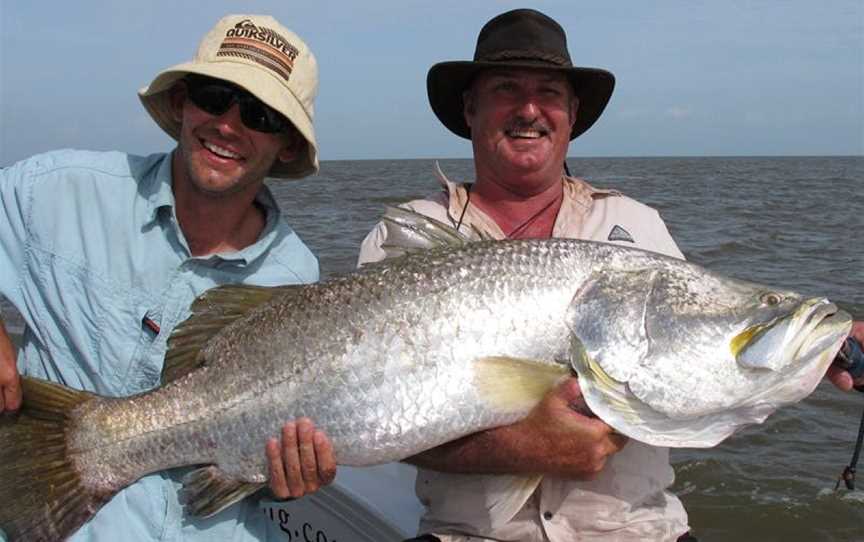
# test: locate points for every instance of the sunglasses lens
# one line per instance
(212, 98)
(261, 117)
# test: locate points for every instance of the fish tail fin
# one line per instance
(42, 495)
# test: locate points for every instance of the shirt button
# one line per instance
(547, 515)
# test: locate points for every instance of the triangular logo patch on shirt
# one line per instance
(620, 234)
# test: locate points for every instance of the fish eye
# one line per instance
(771, 299)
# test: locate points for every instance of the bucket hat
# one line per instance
(257, 53)
(522, 38)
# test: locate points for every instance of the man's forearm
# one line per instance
(495, 451)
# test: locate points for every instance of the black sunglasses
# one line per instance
(215, 96)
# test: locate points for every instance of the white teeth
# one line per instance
(219, 151)
(530, 134)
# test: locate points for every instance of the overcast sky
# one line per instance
(693, 77)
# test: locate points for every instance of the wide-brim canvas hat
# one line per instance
(257, 53)
(522, 38)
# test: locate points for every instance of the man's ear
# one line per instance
(574, 111)
(177, 98)
(468, 106)
(294, 145)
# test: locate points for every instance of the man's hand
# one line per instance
(840, 377)
(10, 382)
(563, 424)
(559, 437)
(303, 463)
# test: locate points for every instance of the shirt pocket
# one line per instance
(144, 370)
(121, 333)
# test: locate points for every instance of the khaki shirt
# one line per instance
(628, 501)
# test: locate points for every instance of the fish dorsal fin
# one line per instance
(509, 384)
(211, 312)
(607, 314)
(409, 231)
(209, 490)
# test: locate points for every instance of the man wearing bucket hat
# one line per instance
(103, 253)
(520, 102)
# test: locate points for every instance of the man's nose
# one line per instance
(527, 107)
(230, 121)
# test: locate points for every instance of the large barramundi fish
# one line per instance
(452, 338)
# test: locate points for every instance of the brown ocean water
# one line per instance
(793, 222)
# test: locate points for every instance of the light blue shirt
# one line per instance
(91, 253)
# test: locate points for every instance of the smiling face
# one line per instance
(218, 155)
(520, 122)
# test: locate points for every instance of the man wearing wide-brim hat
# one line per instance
(104, 253)
(520, 102)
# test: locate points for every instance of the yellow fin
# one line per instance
(515, 384)
(211, 312)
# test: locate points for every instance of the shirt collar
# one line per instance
(578, 200)
(157, 187)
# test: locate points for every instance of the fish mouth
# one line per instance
(814, 327)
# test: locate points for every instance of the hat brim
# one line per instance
(156, 100)
(446, 81)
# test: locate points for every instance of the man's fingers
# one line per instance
(10, 386)
(326, 461)
(302, 462)
(618, 440)
(839, 377)
(857, 332)
(278, 484)
(13, 394)
(291, 460)
(8, 400)
(308, 462)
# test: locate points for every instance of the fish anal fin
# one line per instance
(209, 490)
(510, 384)
(212, 311)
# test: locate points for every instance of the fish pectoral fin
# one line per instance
(211, 312)
(507, 495)
(515, 384)
(209, 490)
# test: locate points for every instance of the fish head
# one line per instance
(676, 355)
(679, 315)
(759, 327)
